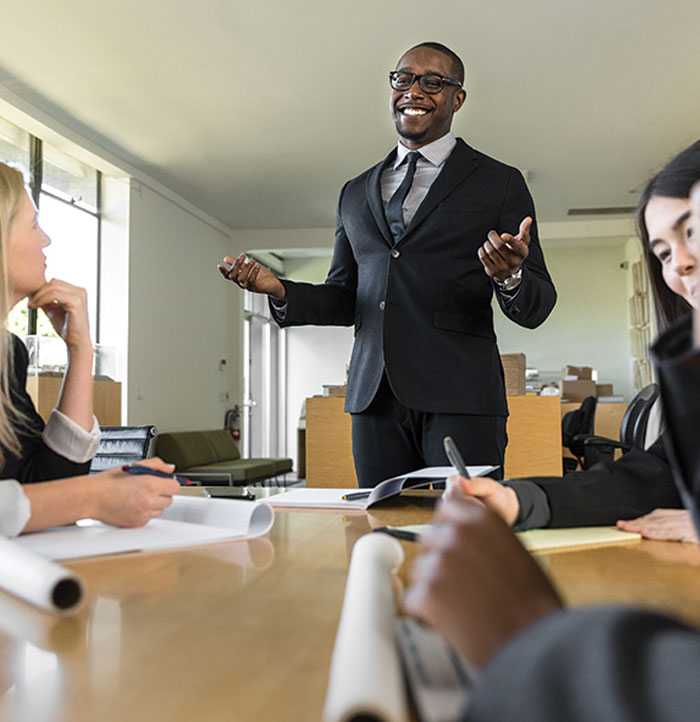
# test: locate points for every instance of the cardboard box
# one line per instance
(514, 372)
(582, 373)
(577, 390)
(604, 390)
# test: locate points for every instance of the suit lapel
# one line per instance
(374, 196)
(461, 163)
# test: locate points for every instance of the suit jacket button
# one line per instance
(381, 305)
(395, 253)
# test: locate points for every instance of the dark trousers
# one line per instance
(389, 439)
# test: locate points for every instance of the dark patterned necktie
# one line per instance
(394, 209)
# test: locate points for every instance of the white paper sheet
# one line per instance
(31, 577)
(366, 678)
(187, 521)
(319, 498)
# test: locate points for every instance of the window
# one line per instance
(264, 373)
(67, 194)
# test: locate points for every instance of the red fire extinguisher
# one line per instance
(232, 422)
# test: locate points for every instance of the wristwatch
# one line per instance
(510, 283)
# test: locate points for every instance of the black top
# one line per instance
(637, 483)
(611, 663)
(37, 462)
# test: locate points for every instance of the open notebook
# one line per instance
(330, 498)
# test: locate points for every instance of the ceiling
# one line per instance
(257, 112)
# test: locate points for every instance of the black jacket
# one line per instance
(422, 308)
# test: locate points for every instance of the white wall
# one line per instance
(183, 317)
(588, 326)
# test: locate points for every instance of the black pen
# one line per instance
(455, 457)
(356, 495)
(403, 534)
(136, 469)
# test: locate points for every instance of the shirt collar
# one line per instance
(436, 152)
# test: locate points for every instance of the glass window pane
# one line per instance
(16, 321)
(69, 179)
(72, 255)
(14, 146)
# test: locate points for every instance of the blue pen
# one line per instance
(135, 469)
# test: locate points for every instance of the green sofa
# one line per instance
(212, 457)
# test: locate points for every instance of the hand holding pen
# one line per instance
(139, 469)
(126, 498)
(497, 497)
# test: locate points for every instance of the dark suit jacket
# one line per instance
(611, 663)
(422, 308)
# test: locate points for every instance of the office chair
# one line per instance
(633, 430)
(121, 445)
(575, 426)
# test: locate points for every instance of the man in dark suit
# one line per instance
(415, 265)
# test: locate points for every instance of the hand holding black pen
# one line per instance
(136, 469)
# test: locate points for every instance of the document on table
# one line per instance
(332, 498)
(186, 522)
(535, 540)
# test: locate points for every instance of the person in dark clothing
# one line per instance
(476, 584)
(425, 239)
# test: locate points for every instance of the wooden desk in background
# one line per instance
(245, 630)
(107, 397)
(534, 440)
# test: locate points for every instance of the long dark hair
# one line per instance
(674, 180)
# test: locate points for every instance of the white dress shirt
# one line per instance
(65, 437)
(14, 508)
(431, 159)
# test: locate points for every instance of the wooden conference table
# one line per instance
(245, 630)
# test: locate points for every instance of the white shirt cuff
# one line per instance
(14, 508)
(65, 437)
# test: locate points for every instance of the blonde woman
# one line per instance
(30, 451)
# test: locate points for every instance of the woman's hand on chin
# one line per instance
(66, 307)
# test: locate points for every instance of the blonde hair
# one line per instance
(12, 191)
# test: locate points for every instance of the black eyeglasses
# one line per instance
(430, 83)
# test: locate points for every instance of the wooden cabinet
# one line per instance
(107, 397)
(328, 443)
(534, 440)
(534, 437)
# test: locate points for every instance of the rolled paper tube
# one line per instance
(37, 580)
(366, 681)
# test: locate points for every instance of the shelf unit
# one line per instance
(640, 325)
